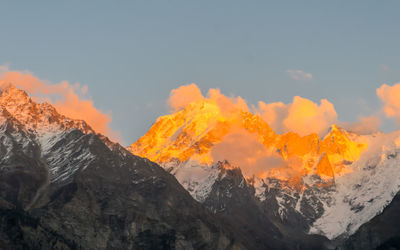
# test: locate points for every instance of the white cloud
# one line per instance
(299, 75)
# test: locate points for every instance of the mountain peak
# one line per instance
(33, 115)
(335, 129)
(11, 95)
(191, 134)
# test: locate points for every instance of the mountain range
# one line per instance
(189, 183)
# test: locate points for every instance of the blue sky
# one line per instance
(132, 53)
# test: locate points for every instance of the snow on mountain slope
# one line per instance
(365, 192)
(195, 178)
(40, 124)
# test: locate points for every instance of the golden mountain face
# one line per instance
(205, 133)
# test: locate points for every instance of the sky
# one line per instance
(131, 54)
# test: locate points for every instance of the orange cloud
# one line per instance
(227, 104)
(245, 150)
(187, 94)
(301, 116)
(306, 116)
(365, 125)
(390, 95)
(274, 114)
(184, 95)
(65, 98)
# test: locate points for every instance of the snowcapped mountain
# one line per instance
(366, 191)
(329, 186)
(62, 186)
(40, 126)
(39, 118)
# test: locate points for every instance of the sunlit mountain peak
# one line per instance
(206, 133)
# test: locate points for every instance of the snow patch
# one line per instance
(365, 192)
(197, 179)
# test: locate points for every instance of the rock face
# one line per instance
(64, 187)
(232, 197)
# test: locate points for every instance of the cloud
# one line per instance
(187, 94)
(184, 95)
(306, 116)
(227, 104)
(364, 125)
(245, 150)
(65, 97)
(390, 96)
(302, 116)
(299, 75)
(274, 114)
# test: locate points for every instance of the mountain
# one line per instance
(62, 186)
(328, 186)
(201, 178)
